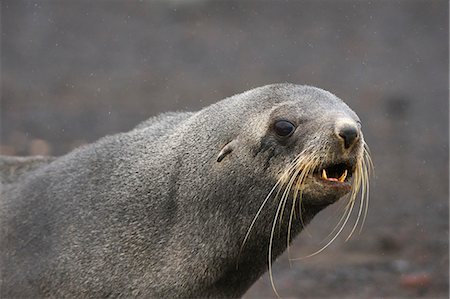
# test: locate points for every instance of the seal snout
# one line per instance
(347, 131)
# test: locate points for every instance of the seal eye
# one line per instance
(284, 128)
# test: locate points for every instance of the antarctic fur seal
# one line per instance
(189, 204)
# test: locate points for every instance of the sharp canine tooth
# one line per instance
(324, 174)
(343, 176)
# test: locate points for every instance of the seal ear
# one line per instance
(227, 149)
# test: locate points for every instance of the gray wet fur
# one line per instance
(152, 213)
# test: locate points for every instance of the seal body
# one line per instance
(163, 210)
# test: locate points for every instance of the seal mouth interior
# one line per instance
(336, 172)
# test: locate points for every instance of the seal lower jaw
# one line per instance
(320, 192)
(334, 184)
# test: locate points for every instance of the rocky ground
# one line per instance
(74, 71)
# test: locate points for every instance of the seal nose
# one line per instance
(348, 133)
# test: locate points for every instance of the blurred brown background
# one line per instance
(74, 71)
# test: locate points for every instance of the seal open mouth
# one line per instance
(338, 174)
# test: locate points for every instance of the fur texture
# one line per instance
(151, 212)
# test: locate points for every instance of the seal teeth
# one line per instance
(343, 176)
(324, 174)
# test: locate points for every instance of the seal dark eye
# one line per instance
(283, 128)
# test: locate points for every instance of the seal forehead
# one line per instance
(303, 99)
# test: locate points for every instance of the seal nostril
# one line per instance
(349, 135)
